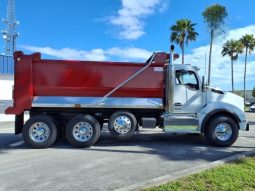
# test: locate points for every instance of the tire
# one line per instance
(40, 131)
(125, 130)
(222, 131)
(82, 131)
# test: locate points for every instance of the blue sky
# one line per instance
(129, 30)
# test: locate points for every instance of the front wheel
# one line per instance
(222, 131)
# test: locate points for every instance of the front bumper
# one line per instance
(244, 125)
(247, 127)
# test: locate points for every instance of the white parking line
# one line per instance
(253, 141)
(17, 144)
(4, 128)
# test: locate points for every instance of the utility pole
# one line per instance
(9, 34)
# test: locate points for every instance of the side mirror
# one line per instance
(203, 84)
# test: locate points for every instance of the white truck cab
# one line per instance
(195, 108)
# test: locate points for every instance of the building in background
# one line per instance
(6, 64)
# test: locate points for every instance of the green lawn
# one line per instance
(233, 176)
(246, 108)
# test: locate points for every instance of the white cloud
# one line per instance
(115, 53)
(129, 53)
(221, 71)
(239, 32)
(130, 18)
(68, 53)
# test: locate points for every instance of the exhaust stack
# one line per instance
(170, 79)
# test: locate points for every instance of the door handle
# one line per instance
(177, 104)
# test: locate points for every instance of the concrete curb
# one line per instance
(186, 172)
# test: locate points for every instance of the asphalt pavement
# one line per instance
(110, 164)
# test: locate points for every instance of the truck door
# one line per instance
(188, 95)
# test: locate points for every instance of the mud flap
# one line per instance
(19, 122)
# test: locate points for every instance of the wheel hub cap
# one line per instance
(223, 131)
(82, 131)
(39, 132)
(122, 124)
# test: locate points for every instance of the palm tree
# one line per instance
(214, 16)
(232, 48)
(248, 42)
(183, 32)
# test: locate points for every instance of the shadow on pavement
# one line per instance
(8, 138)
(252, 122)
(167, 146)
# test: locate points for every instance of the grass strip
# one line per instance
(239, 175)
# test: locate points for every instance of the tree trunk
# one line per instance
(244, 81)
(210, 58)
(232, 74)
(182, 55)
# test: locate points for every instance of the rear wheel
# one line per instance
(222, 131)
(122, 124)
(83, 131)
(40, 131)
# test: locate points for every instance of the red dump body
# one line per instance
(39, 77)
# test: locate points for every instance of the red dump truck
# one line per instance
(76, 98)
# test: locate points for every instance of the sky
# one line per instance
(130, 30)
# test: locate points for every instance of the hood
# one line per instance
(217, 95)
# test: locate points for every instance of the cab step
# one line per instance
(181, 123)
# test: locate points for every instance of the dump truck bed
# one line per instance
(41, 78)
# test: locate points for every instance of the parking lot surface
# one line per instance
(110, 164)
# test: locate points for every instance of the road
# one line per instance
(108, 165)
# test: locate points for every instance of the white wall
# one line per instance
(6, 84)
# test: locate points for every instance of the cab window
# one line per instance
(187, 78)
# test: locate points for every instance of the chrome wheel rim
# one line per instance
(122, 124)
(39, 132)
(223, 131)
(82, 131)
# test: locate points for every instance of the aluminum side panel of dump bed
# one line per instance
(95, 102)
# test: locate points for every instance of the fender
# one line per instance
(219, 108)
